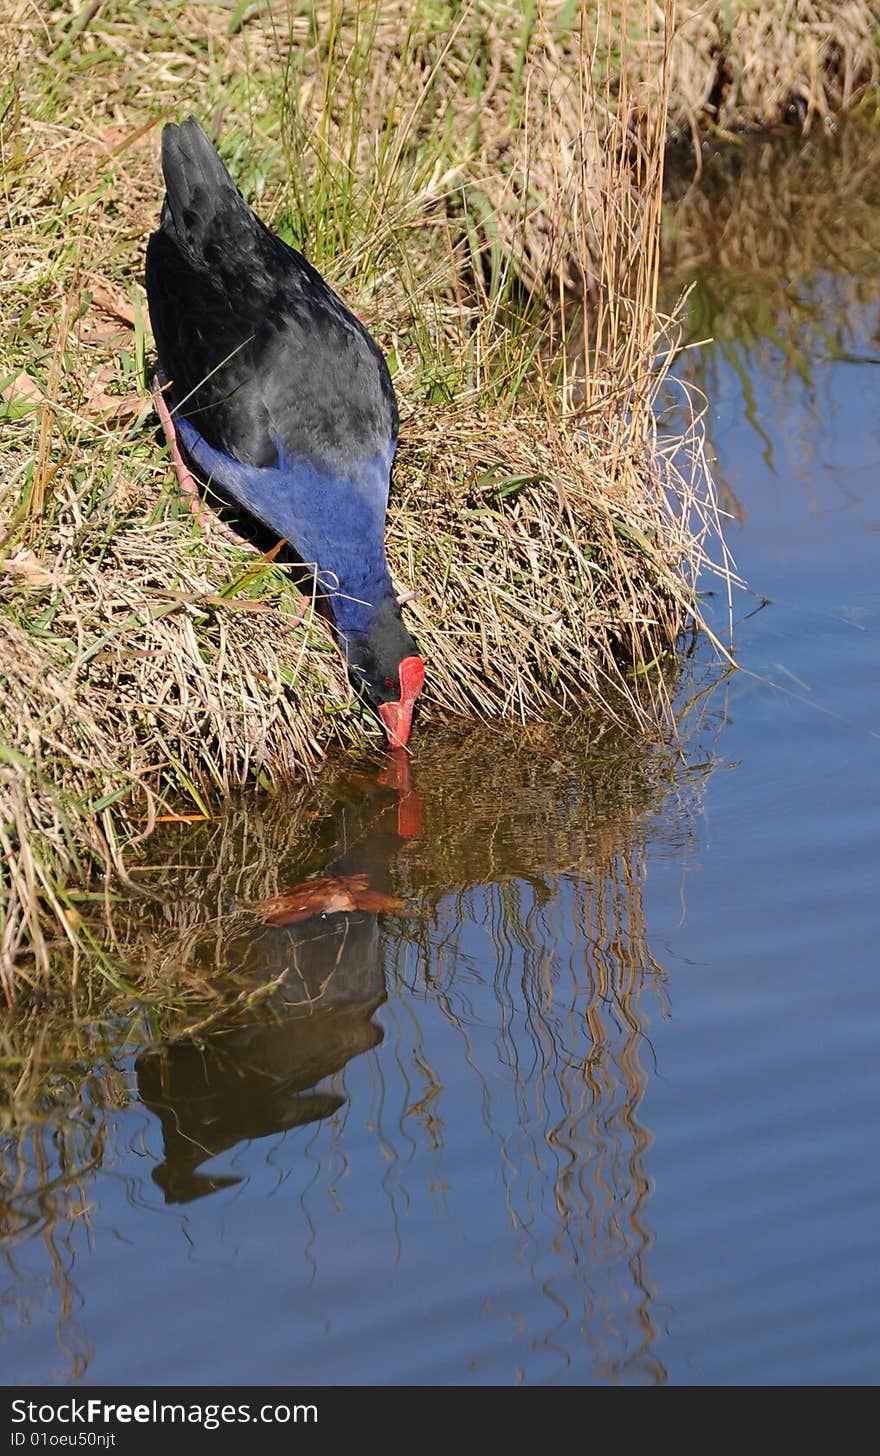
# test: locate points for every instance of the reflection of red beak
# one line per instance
(397, 775)
(397, 717)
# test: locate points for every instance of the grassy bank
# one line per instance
(748, 64)
(484, 185)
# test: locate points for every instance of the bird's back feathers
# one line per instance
(260, 349)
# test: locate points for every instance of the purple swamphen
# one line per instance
(279, 396)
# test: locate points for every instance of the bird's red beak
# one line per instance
(397, 717)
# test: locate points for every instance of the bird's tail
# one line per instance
(197, 185)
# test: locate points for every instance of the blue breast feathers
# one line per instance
(333, 521)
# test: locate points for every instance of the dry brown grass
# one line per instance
(744, 65)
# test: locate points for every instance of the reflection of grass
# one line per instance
(576, 986)
(779, 246)
(496, 806)
(765, 230)
(58, 1087)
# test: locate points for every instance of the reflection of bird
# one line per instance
(327, 895)
(259, 1074)
(284, 401)
(248, 1082)
(319, 947)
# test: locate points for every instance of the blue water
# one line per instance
(604, 1107)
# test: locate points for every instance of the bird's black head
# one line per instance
(384, 664)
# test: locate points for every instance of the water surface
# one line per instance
(597, 1101)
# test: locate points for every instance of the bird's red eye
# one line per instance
(389, 683)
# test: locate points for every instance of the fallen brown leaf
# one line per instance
(27, 570)
(107, 407)
(107, 298)
(23, 390)
(101, 332)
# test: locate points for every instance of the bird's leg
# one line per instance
(296, 619)
(188, 483)
(206, 518)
